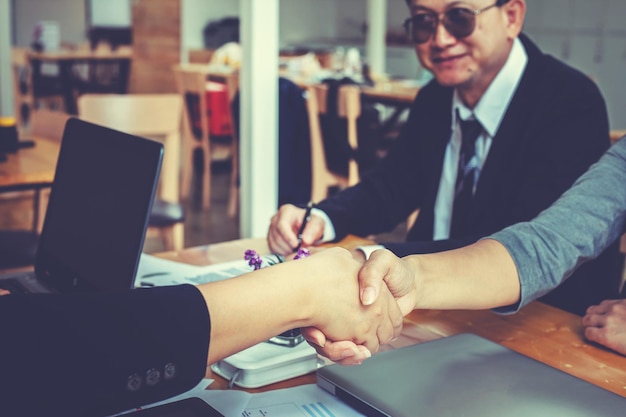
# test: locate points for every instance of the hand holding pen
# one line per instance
(305, 220)
(293, 228)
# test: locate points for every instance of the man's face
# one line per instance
(471, 62)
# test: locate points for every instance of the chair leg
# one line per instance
(187, 169)
(206, 183)
(178, 236)
(173, 237)
(233, 194)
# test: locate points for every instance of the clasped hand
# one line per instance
(383, 276)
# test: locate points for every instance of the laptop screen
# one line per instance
(98, 210)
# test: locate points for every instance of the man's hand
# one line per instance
(606, 324)
(282, 237)
(382, 267)
(4, 292)
(385, 267)
(339, 312)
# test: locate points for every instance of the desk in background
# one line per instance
(539, 331)
(112, 66)
(31, 169)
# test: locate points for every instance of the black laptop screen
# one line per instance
(98, 210)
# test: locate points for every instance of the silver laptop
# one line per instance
(465, 375)
(97, 215)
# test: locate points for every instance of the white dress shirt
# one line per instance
(489, 111)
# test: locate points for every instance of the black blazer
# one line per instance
(99, 354)
(555, 127)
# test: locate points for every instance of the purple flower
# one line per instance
(253, 258)
(302, 253)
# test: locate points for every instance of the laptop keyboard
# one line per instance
(14, 286)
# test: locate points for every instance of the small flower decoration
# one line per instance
(255, 261)
(302, 253)
(253, 258)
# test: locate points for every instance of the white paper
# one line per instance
(305, 400)
(154, 271)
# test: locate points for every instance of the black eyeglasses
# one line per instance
(458, 21)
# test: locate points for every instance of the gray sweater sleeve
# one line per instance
(575, 229)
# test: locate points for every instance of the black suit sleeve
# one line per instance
(97, 354)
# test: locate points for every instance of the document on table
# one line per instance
(305, 401)
(154, 271)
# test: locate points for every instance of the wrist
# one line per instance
(415, 266)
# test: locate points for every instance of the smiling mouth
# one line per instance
(443, 60)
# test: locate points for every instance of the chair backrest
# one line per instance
(191, 82)
(150, 115)
(348, 107)
(48, 124)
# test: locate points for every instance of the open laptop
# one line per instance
(465, 375)
(97, 214)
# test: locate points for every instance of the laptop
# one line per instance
(465, 375)
(97, 215)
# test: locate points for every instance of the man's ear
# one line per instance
(515, 11)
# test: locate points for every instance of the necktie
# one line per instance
(466, 177)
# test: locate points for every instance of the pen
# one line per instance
(305, 220)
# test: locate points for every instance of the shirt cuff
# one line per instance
(329, 229)
(368, 249)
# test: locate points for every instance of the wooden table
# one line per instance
(30, 169)
(67, 59)
(542, 332)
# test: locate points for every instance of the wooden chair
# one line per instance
(155, 116)
(200, 56)
(349, 107)
(191, 80)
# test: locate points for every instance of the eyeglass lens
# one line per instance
(458, 21)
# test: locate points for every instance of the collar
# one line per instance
(492, 106)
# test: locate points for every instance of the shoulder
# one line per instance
(551, 75)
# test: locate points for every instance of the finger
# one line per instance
(594, 320)
(344, 352)
(597, 309)
(4, 292)
(596, 334)
(356, 359)
(313, 231)
(371, 276)
(282, 237)
(314, 336)
(277, 244)
(392, 326)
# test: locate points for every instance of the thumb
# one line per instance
(373, 274)
(369, 283)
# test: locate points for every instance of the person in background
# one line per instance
(497, 136)
(507, 270)
(99, 354)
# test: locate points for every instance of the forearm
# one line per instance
(480, 276)
(577, 228)
(254, 307)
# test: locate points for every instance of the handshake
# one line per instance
(379, 293)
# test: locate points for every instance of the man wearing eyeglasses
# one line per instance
(498, 135)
